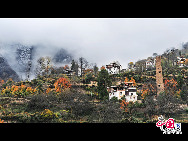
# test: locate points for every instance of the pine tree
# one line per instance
(180, 81)
(95, 68)
(74, 67)
(103, 82)
(184, 93)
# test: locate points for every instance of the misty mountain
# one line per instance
(23, 58)
(6, 71)
(62, 56)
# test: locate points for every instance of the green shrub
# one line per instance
(38, 103)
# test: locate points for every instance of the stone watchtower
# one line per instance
(159, 76)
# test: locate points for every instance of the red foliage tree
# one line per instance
(61, 84)
(170, 86)
(124, 105)
(148, 89)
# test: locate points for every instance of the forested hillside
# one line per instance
(77, 92)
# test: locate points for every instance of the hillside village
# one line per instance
(83, 92)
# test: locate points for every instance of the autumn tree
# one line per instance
(43, 66)
(148, 89)
(170, 86)
(124, 106)
(88, 75)
(130, 65)
(168, 100)
(103, 68)
(132, 80)
(186, 62)
(1, 82)
(126, 80)
(61, 84)
(66, 67)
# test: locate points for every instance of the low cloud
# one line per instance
(101, 40)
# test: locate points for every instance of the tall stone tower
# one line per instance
(159, 76)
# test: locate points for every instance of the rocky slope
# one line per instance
(6, 71)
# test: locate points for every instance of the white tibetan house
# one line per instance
(114, 68)
(128, 91)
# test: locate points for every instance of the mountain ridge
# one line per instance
(23, 58)
(6, 71)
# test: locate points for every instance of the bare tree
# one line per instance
(83, 64)
(28, 70)
(43, 66)
(74, 67)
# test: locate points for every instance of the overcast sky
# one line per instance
(100, 40)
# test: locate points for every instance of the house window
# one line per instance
(120, 93)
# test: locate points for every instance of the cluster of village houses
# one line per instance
(126, 90)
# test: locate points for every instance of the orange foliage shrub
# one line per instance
(170, 86)
(1, 121)
(126, 80)
(48, 90)
(132, 80)
(124, 105)
(186, 62)
(178, 93)
(148, 89)
(66, 67)
(170, 83)
(61, 84)
(2, 82)
(103, 68)
(17, 91)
